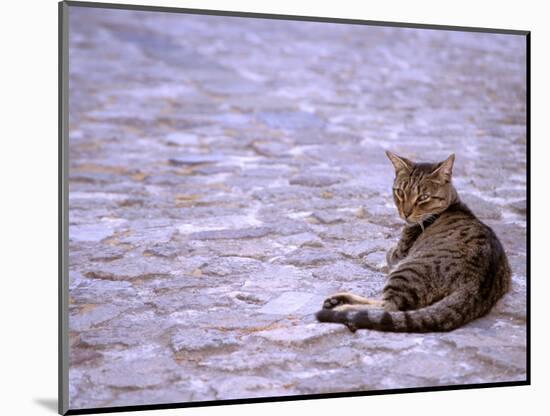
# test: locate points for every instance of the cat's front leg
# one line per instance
(400, 251)
(392, 257)
(345, 298)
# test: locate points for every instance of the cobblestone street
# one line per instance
(227, 174)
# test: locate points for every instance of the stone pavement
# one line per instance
(227, 174)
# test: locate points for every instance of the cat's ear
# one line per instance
(444, 170)
(398, 162)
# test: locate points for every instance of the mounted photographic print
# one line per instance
(263, 207)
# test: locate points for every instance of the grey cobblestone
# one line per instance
(225, 177)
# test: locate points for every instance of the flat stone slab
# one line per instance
(89, 232)
(291, 120)
(248, 386)
(343, 271)
(245, 360)
(130, 268)
(286, 303)
(231, 265)
(328, 217)
(362, 248)
(300, 334)
(270, 149)
(313, 180)
(92, 315)
(253, 232)
(193, 340)
(135, 374)
(309, 257)
(195, 160)
(181, 139)
(439, 367)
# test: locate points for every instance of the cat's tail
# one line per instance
(447, 314)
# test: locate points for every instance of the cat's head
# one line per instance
(421, 190)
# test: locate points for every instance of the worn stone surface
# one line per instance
(220, 189)
(299, 334)
(193, 340)
(287, 303)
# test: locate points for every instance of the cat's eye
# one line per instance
(423, 197)
(399, 193)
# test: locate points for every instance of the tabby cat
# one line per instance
(447, 269)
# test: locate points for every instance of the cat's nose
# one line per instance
(407, 212)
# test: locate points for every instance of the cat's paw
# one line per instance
(337, 299)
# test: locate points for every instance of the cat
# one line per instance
(447, 269)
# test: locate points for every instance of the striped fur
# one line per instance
(447, 269)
